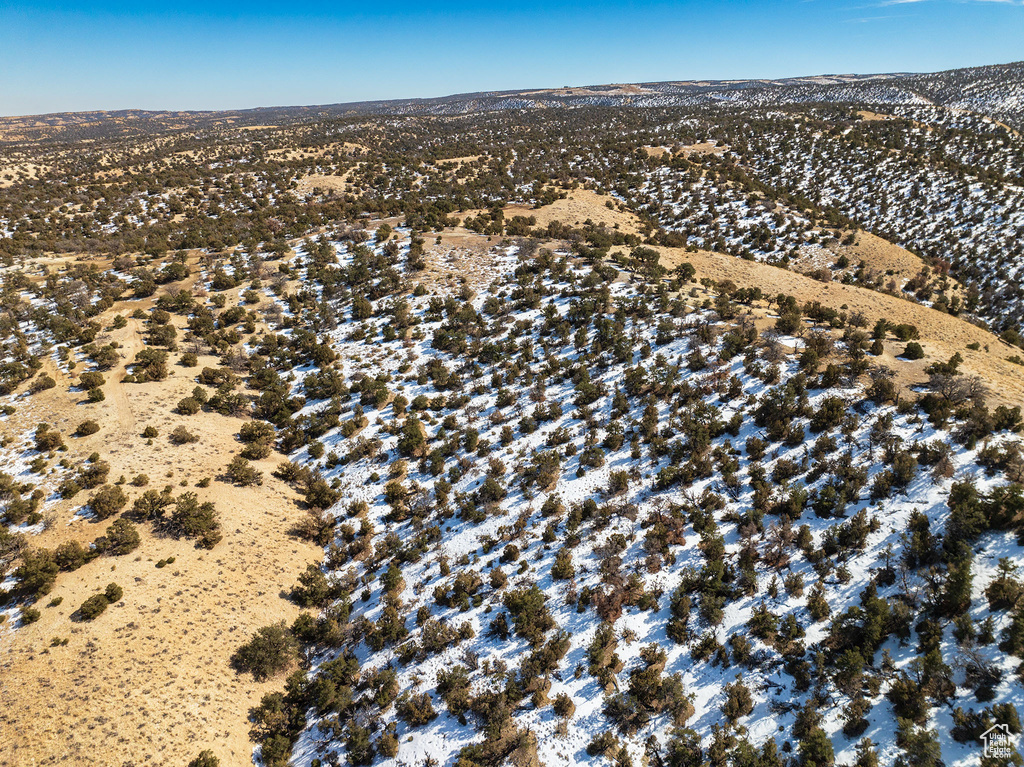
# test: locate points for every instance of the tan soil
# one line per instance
(462, 258)
(657, 151)
(20, 171)
(685, 151)
(867, 116)
(459, 160)
(881, 255)
(328, 183)
(148, 681)
(305, 154)
(703, 148)
(581, 204)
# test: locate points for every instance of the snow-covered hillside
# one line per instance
(997, 91)
(589, 514)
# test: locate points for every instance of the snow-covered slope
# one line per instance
(583, 517)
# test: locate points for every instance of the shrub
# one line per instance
(47, 439)
(93, 607)
(256, 451)
(90, 379)
(413, 440)
(314, 590)
(188, 406)
(196, 520)
(738, 701)
(29, 615)
(182, 436)
(96, 395)
(453, 685)
(122, 537)
(271, 650)
(149, 365)
(564, 706)
(256, 431)
(563, 569)
(913, 351)
(530, 616)
(37, 572)
(618, 482)
(242, 473)
(816, 748)
(905, 332)
(205, 759)
(68, 488)
(107, 501)
(71, 555)
(415, 710)
(94, 473)
(42, 383)
(150, 432)
(604, 743)
(85, 428)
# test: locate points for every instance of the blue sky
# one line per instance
(113, 54)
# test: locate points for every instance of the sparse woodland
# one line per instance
(586, 505)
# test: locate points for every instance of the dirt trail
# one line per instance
(121, 411)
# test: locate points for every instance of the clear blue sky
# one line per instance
(115, 54)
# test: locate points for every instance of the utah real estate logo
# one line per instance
(996, 740)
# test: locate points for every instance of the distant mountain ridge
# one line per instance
(995, 90)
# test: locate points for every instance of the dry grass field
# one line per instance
(149, 681)
(316, 181)
(579, 206)
(12, 172)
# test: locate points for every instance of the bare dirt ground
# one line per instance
(306, 154)
(657, 151)
(881, 255)
(580, 205)
(867, 116)
(891, 262)
(149, 681)
(327, 183)
(20, 171)
(705, 147)
(459, 160)
(462, 258)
